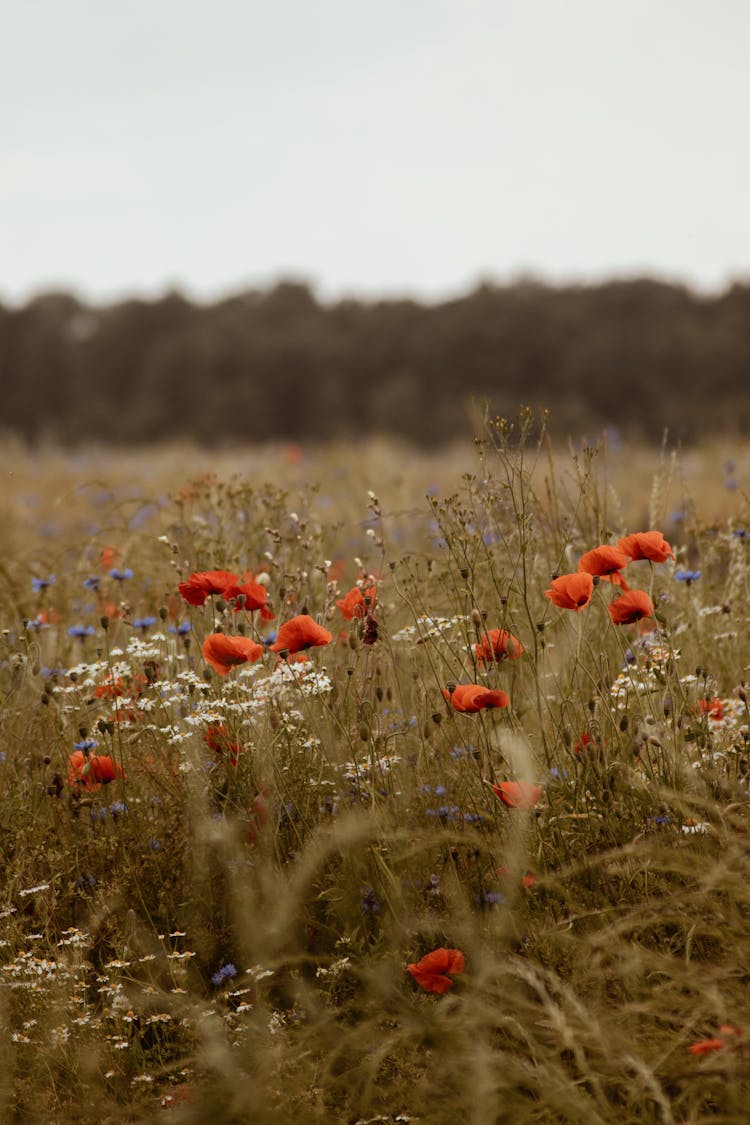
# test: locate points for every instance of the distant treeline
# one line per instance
(279, 364)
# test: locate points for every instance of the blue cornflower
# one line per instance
(85, 744)
(120, 575)
(92, 583)
(181, 629)
(740, 533)
(226, 972)
(731, 484)
(40, 584)
(81, 631)
(369, 903)
(445, 812)
(155, 844)
(144, 623)
(494, 898)
(37, 622)
(687, 576)
(119, 807)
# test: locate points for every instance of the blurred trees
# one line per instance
(640, 355)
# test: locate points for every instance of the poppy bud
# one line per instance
(221, 605)
(464, 572)
(163, 613)
(476, 617)
(437, 718)
(624, 723)
(379, 693)
(45, 699)
(353, 641)
(364, 732)
(101, 726)
(83, 732)
(104, 623)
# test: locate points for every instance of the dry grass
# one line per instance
(223, 931)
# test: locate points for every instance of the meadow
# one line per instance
(359, 784)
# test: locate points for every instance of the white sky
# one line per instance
(387, 146)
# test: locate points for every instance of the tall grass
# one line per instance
(223, 930)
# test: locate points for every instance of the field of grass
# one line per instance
(243, 883)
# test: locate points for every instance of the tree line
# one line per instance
(280, 364)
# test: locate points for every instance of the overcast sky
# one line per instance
(387, 146)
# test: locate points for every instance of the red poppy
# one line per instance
(92, 772)
(299, 633)
(255, 597)
(224, 653)
(571, 591)
(353, 604)
(517, 794)
(632, 606)
(649, 545)
(431, 973)
(606, 562)
(470, 698)
(497, 645)
(714, 708)
(203, 583)
(217, 739)
(107, 558)
(705, 1046)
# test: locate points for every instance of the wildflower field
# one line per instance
(366, 786)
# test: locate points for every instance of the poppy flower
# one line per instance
(203, 583)
(353, 604)
(517, 794)
(606, 562)
(713, 708)
(649, 545)
(299, 633)
(470, 698)
(632, 606)
(92, 772)
(431, 973)
(217, 739)
(571, 591)
(497, 645)
(705, 1046)
(255, 597)
(224, 653)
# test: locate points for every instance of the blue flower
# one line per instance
(687, 576)
(144, 623)
(119, 807)
(37, 622)
(85, 744)
(226, 972)
(120, 575)
(494, 898)
(81, 631)
(181, 629)
(92, 583)
(38, 585)
(369, 903)
(732, 484)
